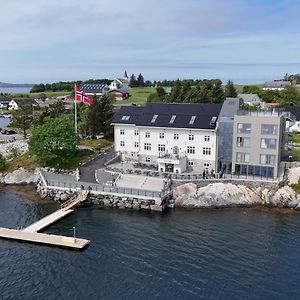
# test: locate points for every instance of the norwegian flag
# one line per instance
(81, 96)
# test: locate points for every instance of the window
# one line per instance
(268, 143)
(161, 135)
(191, 150)
(122, 131)
(190, 163)
(147, 134)
(206, 151)
(125, 118)
(136, 132)
(242, 157)
(147, 146)
(161, 147)
(207, 138)
(154, 118)
(191, 137)
(192, 120)
(206, 165)
(172, 119)
(243, 142)
(122, 143)
(267, 159)
(176, 136)
(244, 128)
(269, 129)
(136, 144)
(148, 160)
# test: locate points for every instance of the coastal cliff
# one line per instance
(229, 195)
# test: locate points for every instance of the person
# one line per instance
(213, 175)
(203, 174)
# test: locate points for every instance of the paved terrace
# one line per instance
(68, 182)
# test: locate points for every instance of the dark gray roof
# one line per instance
(295, 110)
(95, 88)
(5, 100)
(25, 101)
(230, 107)
(200, 116)
(277, 84)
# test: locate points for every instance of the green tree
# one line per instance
(251, 89)
(100, 116)
(54, 142)
(154, 97)
(176, 92)
(132, 81)
(216, 92)
(290, 96)
(140, 81)
(23, 119)
(230, 90)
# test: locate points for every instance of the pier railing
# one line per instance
(100, 189)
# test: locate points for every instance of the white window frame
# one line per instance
(176, 136)
(122, 143)
(161, 135)
(122, 131)
(206, 138)
(147, 146)
(147, 135)
(191, 137)
(206, 151)
(190, 150)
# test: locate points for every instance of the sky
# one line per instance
(241, 40)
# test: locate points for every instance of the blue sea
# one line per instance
(15, 90)
(181, 254)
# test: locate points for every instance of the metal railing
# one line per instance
(106, 189)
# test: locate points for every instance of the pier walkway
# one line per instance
(30, 233)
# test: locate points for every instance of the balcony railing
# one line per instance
(172, 155)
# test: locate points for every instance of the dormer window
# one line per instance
(172, 119)
(192, 120)
(154, 118)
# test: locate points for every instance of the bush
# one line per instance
(3, 162)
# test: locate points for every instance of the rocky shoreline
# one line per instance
(188, 195)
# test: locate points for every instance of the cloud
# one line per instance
(61, 34)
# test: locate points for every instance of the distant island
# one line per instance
(15, 85)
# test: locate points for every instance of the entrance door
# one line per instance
(169, 168)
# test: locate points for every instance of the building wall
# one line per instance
(129, 151)
(255, 135)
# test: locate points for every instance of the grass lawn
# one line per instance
(137, 95)
(296, 154)
(296, 138)
(38, 95)
(26, 160)
(97, 144)
(239, 87)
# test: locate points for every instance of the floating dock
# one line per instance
(31, 234)
(43, 238)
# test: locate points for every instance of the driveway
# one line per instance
(87, 171)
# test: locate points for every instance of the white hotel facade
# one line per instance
(175, 137)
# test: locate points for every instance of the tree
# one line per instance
(23, 119)
(230, 90)
(290, 96)
(140, 81)
(161, 93)
(176, 92)
(251, 89)
(57, 109)
(216, 92)
(54, 142)
(100, 116)
(132, 81)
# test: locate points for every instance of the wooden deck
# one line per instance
(48, 220)
(30, 233)
(42, 238)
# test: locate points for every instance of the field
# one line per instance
(38, 95)
(138, 95)
(239, 87)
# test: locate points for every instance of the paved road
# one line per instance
(87, 172)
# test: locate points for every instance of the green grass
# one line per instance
(97, 144)
(80, 157)
(296, 154)
(296, 138)
(26, 160)
(137, 95)
(296, 187)
(239, 87)
(38, 95)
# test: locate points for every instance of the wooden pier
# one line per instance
(30, 233)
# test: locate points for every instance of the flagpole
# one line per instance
(76, 129)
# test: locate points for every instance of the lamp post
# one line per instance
(74, 233)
